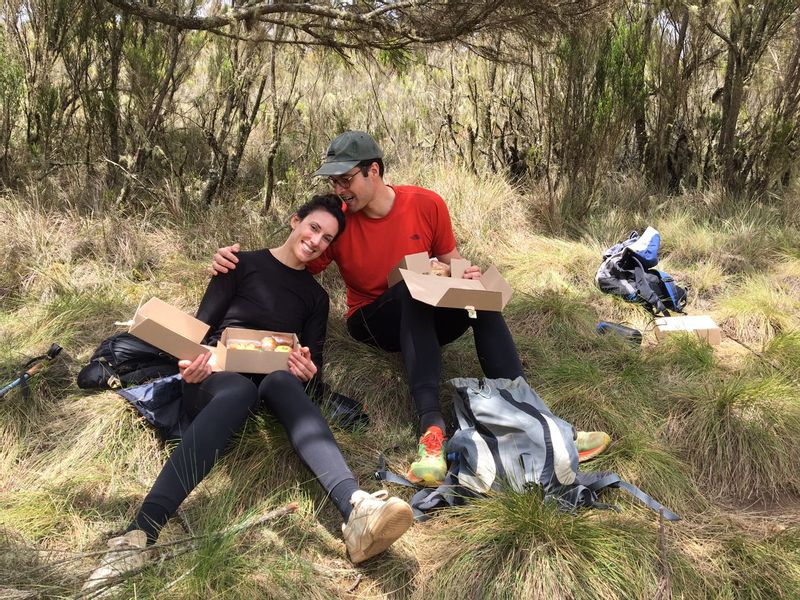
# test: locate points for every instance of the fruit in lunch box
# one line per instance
(439, 269)
(270, 343)
(244, 345)
(283, 340)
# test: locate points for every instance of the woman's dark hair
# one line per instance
(328, 202)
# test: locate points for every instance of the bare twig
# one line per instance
(664, 589)
(764, 359)
(132, 176)
(184, 521)
(15, 594)
(172, 583)
(331, 571)
(177, 548)
(356, 583)
(55, 165)
(368, 71)
(184, 545)
(257, 522)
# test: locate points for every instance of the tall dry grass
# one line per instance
(709, 431)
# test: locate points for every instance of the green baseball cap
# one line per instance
(346, 151)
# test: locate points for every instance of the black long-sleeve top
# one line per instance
(263, 293)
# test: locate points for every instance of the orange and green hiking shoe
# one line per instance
(430, 467)
(591, 443)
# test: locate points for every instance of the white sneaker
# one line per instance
(377, 521)
(125, 553)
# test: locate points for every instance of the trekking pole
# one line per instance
(32, 367)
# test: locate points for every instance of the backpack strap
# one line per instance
(384, 474)
(644, 290)
(569, 498)
(426, 500)
(669, 284)
(599, 481)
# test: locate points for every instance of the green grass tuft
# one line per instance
(784, 351)
(683, 356)
(760, 309)
(766, 569)
(512, 545)
(740, 435)
(648, 462)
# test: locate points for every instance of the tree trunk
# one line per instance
(732, 95)
(246, 123)
(110, 100)
(144, 150)
(269, 184)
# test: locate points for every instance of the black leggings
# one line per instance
(219, 407)
(396, 322)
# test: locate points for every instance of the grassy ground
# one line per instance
(711, 432)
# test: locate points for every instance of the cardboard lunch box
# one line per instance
(490, 292)
(172, 330)
(251, 361)
(702, 326)
(169, 329)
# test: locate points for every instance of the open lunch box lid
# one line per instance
(170, 329)
(490, 292)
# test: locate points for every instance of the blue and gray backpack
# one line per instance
(628, 271)
(507, 437)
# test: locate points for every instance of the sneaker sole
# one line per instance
(432, 482)
(394, 521)
(592, 452)
(117, 569)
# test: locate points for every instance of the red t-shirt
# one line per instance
(369, 249)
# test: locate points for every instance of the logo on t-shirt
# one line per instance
(415, 237)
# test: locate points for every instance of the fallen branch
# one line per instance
(186, 544)
(764, 359)
(174, 582)
(353, 587)
(178, 547)
(15, 594)
(664, 589)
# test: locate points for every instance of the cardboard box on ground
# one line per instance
(702, 326)
(172, 330)
(490, 292)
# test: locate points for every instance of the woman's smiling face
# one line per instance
(312, 235)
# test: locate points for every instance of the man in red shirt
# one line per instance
(385, 223)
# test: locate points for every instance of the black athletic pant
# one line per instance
(219, 407)
(396, 322)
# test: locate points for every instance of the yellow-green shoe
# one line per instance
(591, 443)
(430, 467)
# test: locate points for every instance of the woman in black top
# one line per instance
(270, 290)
